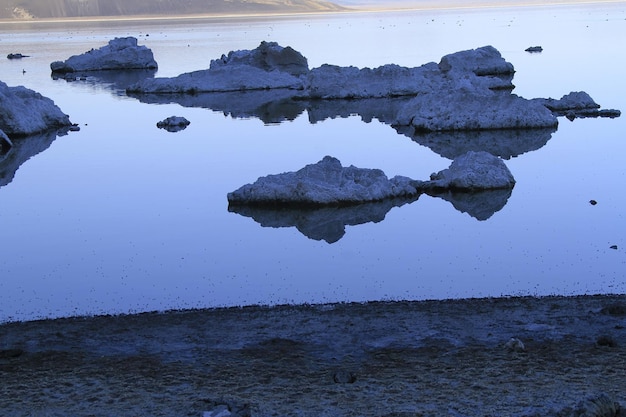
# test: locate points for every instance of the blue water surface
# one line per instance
(124, 217)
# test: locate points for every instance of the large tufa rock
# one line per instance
(482, 61)
(467, 90)
(119, 54)
(269, 66)
(268, 56)
(322, 184)
(467, 108)
(327, 183)
(25, 112)
(471, 172)
(481, 68)
(335, 82)
(577, 104)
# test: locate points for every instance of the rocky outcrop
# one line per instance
(25, 112)
(471, 109)
(335, 82)
(118, 54)
(327, 183)
(482, 61)
(269, 66)
(472, 171)
(577, 104)
(466, 90)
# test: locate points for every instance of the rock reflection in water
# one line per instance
(480, 205)
(329, 223)
(116, 81)
(279, 105)
(22, 149)
(270, 106)
(505, 143)
(325, 223)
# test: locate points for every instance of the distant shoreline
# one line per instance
(449, 5)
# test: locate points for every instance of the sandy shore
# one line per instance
(432, 358)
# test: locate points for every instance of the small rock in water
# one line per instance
(173, 124)
(534, 49)
(593, 202)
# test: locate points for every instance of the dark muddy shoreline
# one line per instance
(375, 359)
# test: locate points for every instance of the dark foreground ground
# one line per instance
(432, 358)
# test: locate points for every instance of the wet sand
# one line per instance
(376, 359)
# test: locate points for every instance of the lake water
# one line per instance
(124, 217)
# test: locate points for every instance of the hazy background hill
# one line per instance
(41, 9)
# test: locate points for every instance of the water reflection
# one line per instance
(279, 105)
(326, 223)
(504, 143)
(275, 106)
(329, 223)
(116, 81)
(270, 106)
(22, 149)
(480, 205)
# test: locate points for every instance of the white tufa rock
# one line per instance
(25, 112)
(118, 54)
(473, 171)
(323, 183)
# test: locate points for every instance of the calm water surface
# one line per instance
(123, 217)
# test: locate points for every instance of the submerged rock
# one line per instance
(25, 112)
(321, 184)
(118, 54)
